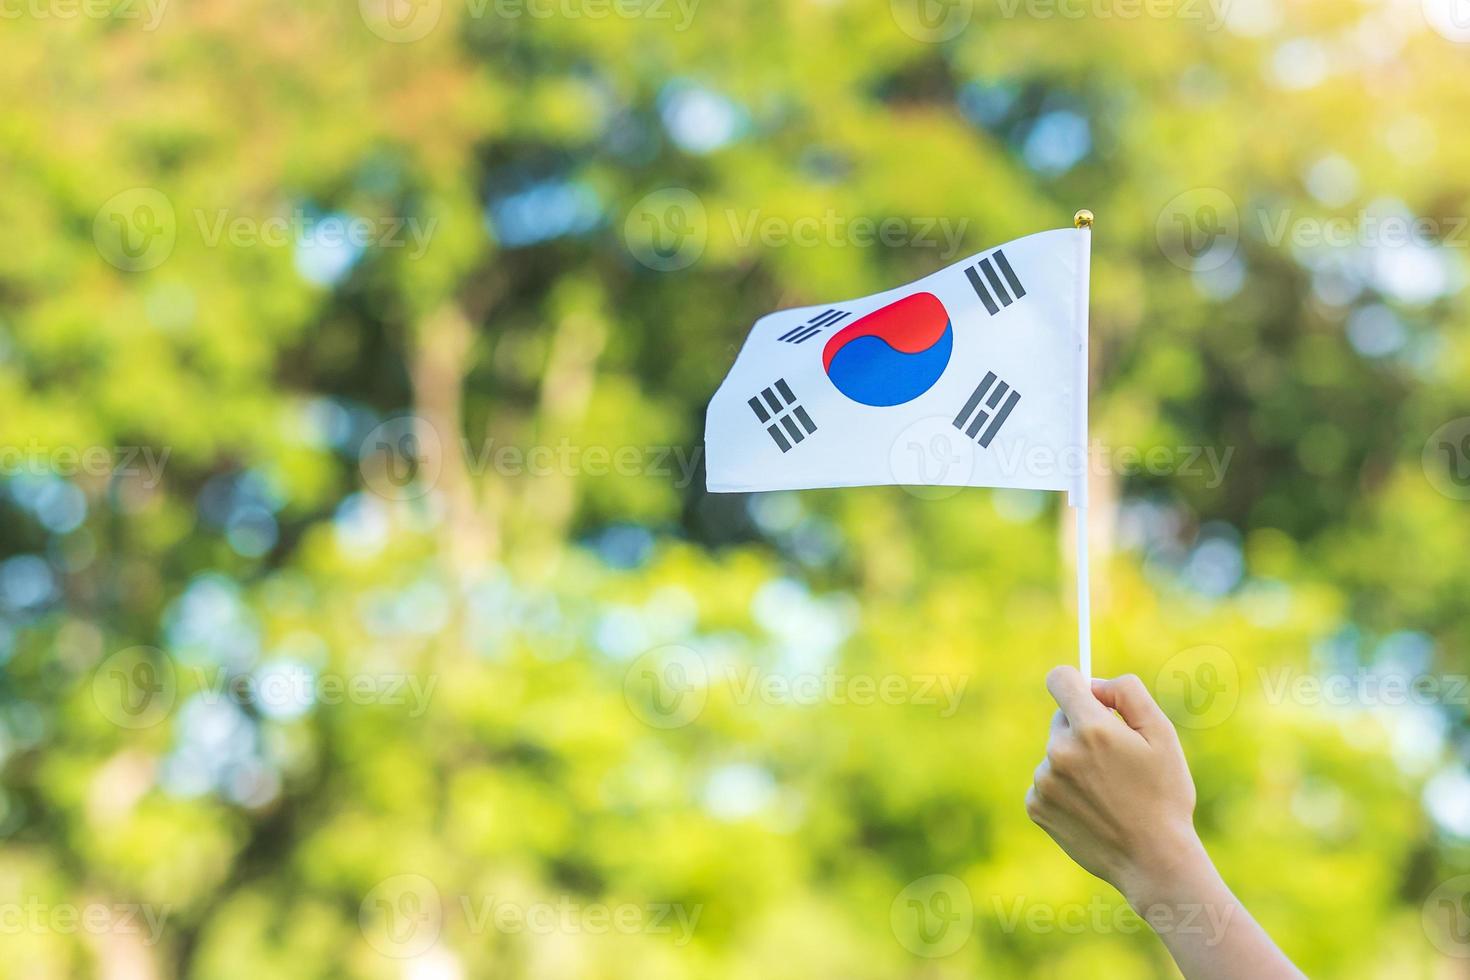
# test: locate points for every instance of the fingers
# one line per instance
(1073, 696)
(1034, 808)
(1037, 807)
(1059, 724)
(1128, 696)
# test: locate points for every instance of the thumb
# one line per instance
(1069, 689)
(1128, 696)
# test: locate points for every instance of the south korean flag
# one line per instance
(973, 376)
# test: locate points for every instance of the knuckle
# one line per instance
(1045, 781)
(1099, 738)
(1064, 755)
(1133, 684)
(1092, 736)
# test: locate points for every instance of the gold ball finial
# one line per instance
(1082, 219)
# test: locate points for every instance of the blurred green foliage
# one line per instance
(167, 285)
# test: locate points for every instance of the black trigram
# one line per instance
(780, 415)
(997, 409)
(996, 289)
(814, 326)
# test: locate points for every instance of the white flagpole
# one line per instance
(1083, 222)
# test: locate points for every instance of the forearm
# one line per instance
(1206, 929)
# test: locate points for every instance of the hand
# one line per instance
(1114, 792)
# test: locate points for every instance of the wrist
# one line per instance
(1176, 871)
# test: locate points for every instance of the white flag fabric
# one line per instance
(973, 376)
